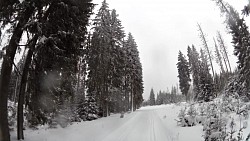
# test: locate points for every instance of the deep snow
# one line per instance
(156, 123)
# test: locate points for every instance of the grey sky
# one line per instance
(163, 27)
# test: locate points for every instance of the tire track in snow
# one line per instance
(152, 127)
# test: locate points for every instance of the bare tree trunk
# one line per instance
(6, 72)
(107, 106)
(78, 77)
(132, 99)
(204, 41)
(22, 89)
(31, 45)
(218, 57)
(16, 87)
(224, 49)
(126, 101)
(83, 85)
(225, 62)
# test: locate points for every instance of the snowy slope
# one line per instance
(146, 124)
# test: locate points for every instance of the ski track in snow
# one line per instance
(146, 124)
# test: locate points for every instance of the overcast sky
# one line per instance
(163, 27)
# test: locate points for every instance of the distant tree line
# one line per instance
(66, 70)
(164, 97)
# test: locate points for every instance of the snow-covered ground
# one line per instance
(156, 123)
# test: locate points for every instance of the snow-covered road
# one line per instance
(146, 124)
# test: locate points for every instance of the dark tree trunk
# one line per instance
(6, 72)
(132, 99)
(22, 89)
(125, 103)
(24, 78)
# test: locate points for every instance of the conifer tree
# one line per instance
(184, 74)
(152, 97)
(99, 58)
(115, 73)
(133, 72)
(206, 82)
(116, 69)
(32, 16)
(194, 63)
(173, 94)
(56, 58)
(240, 33)
(18, 21)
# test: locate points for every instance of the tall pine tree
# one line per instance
(184, 74)
(206, 81)
(240, 33)
(152, 97)
(133, 68)
(194, 63)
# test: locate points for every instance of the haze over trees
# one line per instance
(164, 97)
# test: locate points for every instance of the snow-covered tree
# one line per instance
(194, 63)
(88, 109)
(114, 68)
(152, 97)
(55, 31)
(17, 21)
(240, 33)
(160, 98)
(184, 74)
(99, 59)
(133, 72)
(206, 82)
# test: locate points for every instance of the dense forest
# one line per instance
(71, 68)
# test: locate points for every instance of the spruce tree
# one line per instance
(206, 82)
(184, 74)
(173, 94)
(152, 98)
(52, 42)
(116, 68)
(194, 63)
(133, 72)
(99, 57)
(113, 64)
(240, 33)
(8, 15)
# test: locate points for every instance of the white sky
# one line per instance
(163, 27)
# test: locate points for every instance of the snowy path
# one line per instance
(146, 124)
